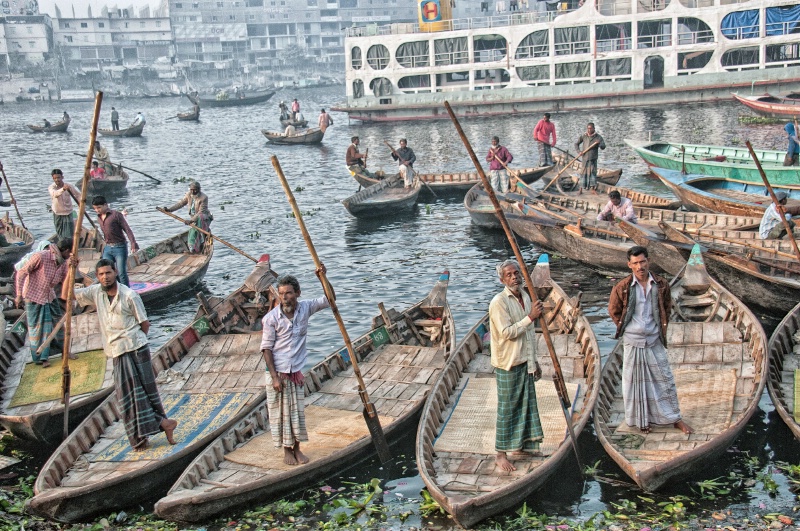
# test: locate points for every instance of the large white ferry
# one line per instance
(604, 53)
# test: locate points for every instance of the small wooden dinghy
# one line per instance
(133, 130)
(571, 178)
(190, 116)
(481, 209)
(20, 240)
(58, 127)
(456, 434)
(384, 199)
(296, 123)
(784, 373)
(231, 100)
(718, 354)
(768, 105)
(114, 183)
(309, 136)
(211, 376)
(399, 364)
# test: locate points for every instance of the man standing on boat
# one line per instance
(405, 158)
(617, 207)
(541, 135)
(640, 306)
(324, 121)
(114, 119)
(794, 145)
(138, 120)
(295, 109)
(590, 142)
(513, 340)
(356, 162)
(115, 227)
(771, 227)
(199, 215)
(61, 194)
(497, 156)
(124, 326)
(283, 346)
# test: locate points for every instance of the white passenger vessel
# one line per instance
(604, 53)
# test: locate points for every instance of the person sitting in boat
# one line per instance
(794, 146)
(47, 123)
(590, 142)
(65, 117)
(97, 172)
(771, 227)
(357, 162)
(199, 216)
(290, 130)
(405, 159)
(299, 117)
(284, 110)
(617, 207)
(498, 158)
(101, 155)
(138, 120)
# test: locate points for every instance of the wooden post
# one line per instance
(10, 193)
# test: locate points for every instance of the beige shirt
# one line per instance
(513, 334)
(62, 201)
(119, 319)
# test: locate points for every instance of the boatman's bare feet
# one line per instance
(645, 430)
(288, 455)
(298, 455)
(169, 425)
(503, 462)
(142, 446)
(685, 428)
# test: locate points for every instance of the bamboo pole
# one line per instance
(403, 160)
(220, 240)
(568, 165)
(10, 193)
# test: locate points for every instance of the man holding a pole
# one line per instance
(771, 227)
(61, 194)
(498, 158)
(405, 159)
(589, 143)
(513, 340)
(541, 135)
(199, 215)
(283, 346)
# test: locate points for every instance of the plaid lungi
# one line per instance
(518, 424)
(41, 318)
(545, 154)
(648, 387)
(287, 418)
(137, 394)
(196, 238)
(65, 226)
(590, 173)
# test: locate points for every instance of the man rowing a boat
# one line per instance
(199, 215)
(617, 207)
(640, 306)
(544, 130)
(590, 142)
(771, 227)
(101, 155)
(283, 346)
(513, 340)
(498, 158)
(356, 162)
(405, 159)
(61, 194)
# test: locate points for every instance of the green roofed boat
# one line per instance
(732, 163)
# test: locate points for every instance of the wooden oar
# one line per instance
(170, 118)
(49, 339)
(558, 377)
(514, 174)
(86, 214)
(126, 167)
(569, 164)
(775, 201)
(370, 413)
(404, 160)
(10, 193)
(220, 240)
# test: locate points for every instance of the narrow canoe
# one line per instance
(134, 130)
(190, 116)
(296, 123)
(481, 209)
(784, 361)
(309, 136)
(211, 375)
(456, 433)
(384, 199)
(21, 241)
(232, 101)
(714, 194)
(571, 178)
(399, 363)
(767, 105)
(718, 354)
(640, 199)
(113, 184)
(58, 127)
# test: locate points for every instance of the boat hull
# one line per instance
(235, 102)
(59, 127)
(134, 130)
(783, 109)
(384, 199)
(311, 136)
(781, 352)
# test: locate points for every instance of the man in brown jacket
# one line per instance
(640, 306)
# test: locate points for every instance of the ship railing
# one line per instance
(601, 79)
(742, 32)
(695, 37)
(654, 41)
(572, 48)
(414, 61)
(536, 50)
(451, 58)
(780, 28)
(614, 45)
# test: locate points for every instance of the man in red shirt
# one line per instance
(115, 228)
(541, 135)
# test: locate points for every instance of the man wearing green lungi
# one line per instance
(513, 345)
(199, 215)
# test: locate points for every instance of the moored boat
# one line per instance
(20, 242)
(133, 130)
(58, 127)
(386, 198)
(718, 354)
(237, 100)
(308, 136)
(767, 105)
(571, 178)
(784, 365)
(480, 207)
(400, 358)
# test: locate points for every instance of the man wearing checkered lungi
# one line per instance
(513, 346)
(283, 346)
(590, 142)
(640, 306)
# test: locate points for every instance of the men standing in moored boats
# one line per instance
(405, 159)
(283, 346)
(544, 130)
(590, 142)
(771, 227)
(617, 207)
(513, 340)
(114, 119)
(640, 306)
(295, 109)
(199, 215)
(498, 158)
(356, 162)
(115, 227)
(62, 204)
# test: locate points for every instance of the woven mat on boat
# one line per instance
(43, 384)
(328, 430)
(471, 427)
(144, 287)
(705, 399)
(197, 414)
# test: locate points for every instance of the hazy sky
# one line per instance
(81, 6)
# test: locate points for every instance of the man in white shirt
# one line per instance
(771, 227)
(138, 120)
(617, 207)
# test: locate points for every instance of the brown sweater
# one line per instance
(618, 305)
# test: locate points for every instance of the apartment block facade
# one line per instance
(25, 37)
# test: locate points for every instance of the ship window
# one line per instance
(741, 24)
(380, 86)
(693, 31)
(489, 48)
(569, 41)
(358, 89)
(648, 6)
(654, 72)
(410, 83)
(614, 67)
(740, 56)
(536, 44)
(413, 54)
(355, 58)
(693, 60)
(491, 79)
(783, 20)
(378, 57)
(573, 70)
(533, 73)
(451, 51)
(782, 53)
(613, 37)
(654, 33)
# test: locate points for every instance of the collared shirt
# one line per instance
(513, 336)
(583, 143)
(286, 338)
(642, 331)
(37, 278)
(139, 119)
(120, 318)
(502, 154)
(405, 154)
(62, 201)
(115, 227)
(543, 131)
(770, 220)
(624, 210)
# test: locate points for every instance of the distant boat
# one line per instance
(134, 130)
(232, 100)
(76, 96)
(191, 116)
(309, 136)
(58, 127)
(773, 106)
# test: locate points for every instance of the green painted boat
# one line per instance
(732, 163)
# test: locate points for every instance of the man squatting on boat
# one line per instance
(640, 306)
(513, 355)
(590, 142)
(618, 207)
(283, 345)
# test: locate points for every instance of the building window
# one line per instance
(232, 17)
(32, 44)
(84, 25)
(178, 5)
(101, 24)
(272, 16)
(285, 16)
(220, 4)
(68, 38)
(213, 18)
(126, 24)
(193, 18)
(30, 30)
(66, 24)
(142, 24)
(158, 23)
(251, 17)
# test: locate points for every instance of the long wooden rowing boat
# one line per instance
(20, 240)
(768, 105)
(309, 136)
(384, 199)
(115, 183)
(400, 358)
(640, 199)
(717, 161)
(571, 178)
(190, 116)
(718, 354)
(58, 127)
(133, 130)
(456, 433)
(212, 101)
(211, 376)
(784, 369)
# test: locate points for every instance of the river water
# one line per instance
(395, 260)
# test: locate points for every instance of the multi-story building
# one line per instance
(25, 37)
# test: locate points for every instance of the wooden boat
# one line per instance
(783, 364)
(571, 178)
(718, 354)
(456, 434)
(309, 136)
(640, 199)
(231, 101)
(133, 130)
(296, 123)
(115, 183)
(58, 127)
(384, 199)
(714, 194)
(481, 209)
(190, 116)
(21, 241)
(211, 376)
(399, 364)
(718, 161)
(767, 105)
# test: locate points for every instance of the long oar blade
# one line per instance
(376, 432)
